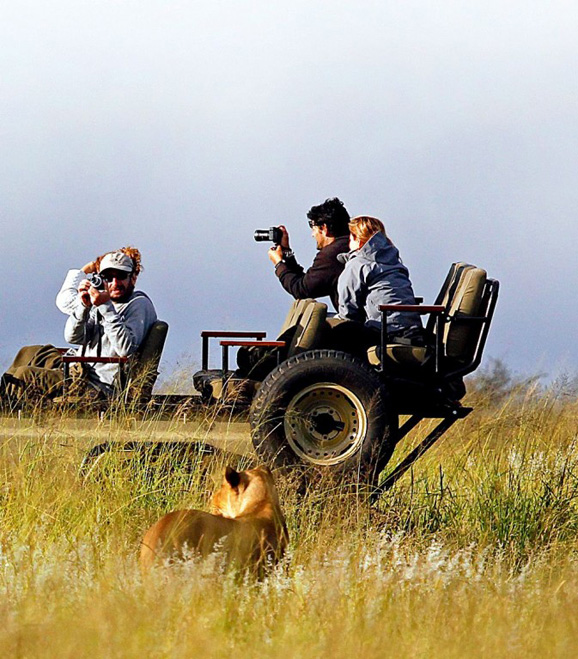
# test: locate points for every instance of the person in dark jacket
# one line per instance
(330, 229)
(373, 275)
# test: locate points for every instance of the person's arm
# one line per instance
(127, 331)
(67, 297)
(77, 324)
(352, 291)
(317, 281)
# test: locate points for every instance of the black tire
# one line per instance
(324, 408)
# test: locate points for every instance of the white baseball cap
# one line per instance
(116, 261)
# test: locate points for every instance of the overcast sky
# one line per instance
(180, 127)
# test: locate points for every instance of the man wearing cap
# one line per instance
(105, 322)
(329, 228)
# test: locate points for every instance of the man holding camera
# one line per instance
(106, 318)
(330, 229)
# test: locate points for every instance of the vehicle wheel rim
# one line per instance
(325, 424)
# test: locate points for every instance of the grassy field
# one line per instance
(473, 553)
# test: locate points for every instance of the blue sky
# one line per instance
(180, 127)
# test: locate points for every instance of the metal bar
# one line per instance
(439, 344)
(205, 357)
(407, 427)
(264, 344)
(66, 374)
(383, 340)
(86, 359)
(223, 334)
(225, 360)
(417, 308)
(442, 427)
(225, 367)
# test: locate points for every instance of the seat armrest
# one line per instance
(70, 359)
(225, 345)
(417, 308)
(84, 359)
(250, 344)
(220, 334)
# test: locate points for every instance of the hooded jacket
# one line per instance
(375, 275)
(111, 329)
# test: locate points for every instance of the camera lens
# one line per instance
(261, 235)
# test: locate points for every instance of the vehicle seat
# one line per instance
(461, 294)
(303, 329)
(137, 379)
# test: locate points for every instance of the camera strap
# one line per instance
(89, 329)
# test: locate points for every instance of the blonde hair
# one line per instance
(363, 227)
(132, 252)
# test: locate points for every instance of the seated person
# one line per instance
(329, 228)
(112, 321)
(374, 274)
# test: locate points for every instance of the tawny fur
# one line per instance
(246, 523)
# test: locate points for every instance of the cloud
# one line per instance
(181, 127)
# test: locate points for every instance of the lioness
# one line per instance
(247, 522)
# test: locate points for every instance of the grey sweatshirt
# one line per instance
(122, 326)
(375, 275)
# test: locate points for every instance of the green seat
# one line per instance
(461, 295)
(137, 374)
(303, 329)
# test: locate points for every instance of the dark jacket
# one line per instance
(375, 275)
(320, 279)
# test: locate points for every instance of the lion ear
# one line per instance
(232, 477)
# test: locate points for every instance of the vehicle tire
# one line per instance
(324, 408)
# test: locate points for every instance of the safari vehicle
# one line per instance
(309, 405)
(303, 404)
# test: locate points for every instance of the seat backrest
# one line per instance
(293, 315)
(461, 335)
(310, 328)
(144, 368)
(302, 329)
(448, 290)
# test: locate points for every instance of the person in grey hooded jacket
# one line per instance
(374, 274)
(109, 321)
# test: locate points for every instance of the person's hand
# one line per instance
(97, 296)
(276, 254)
(285, 239)
(89, 267)
(84, 294)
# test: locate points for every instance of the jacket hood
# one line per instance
(377, 249)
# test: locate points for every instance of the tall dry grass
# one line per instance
(473, 553)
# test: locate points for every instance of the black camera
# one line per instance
(96, 281)
(274, 234)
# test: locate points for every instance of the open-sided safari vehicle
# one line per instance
(311, 405)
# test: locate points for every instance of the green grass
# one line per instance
(473, 553)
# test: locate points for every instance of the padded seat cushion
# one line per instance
(310, 328)
(403, 355)
(303, 329)
(460, 338)
(210, 385)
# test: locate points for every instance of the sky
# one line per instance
(181, 127)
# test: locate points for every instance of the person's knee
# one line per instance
(46, 380)
(23, 358)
